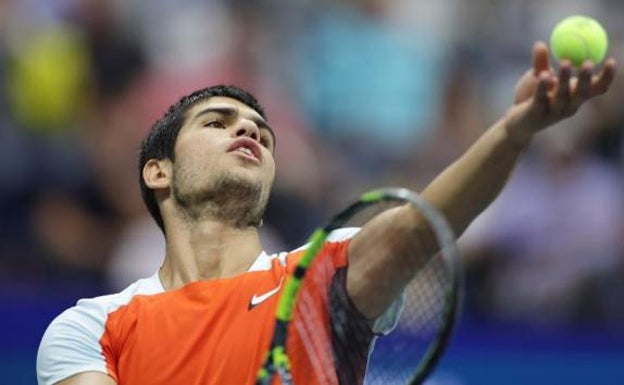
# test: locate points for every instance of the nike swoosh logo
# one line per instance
(258, 299)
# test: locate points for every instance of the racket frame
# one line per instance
(277, 361)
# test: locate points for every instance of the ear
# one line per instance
(157, 173)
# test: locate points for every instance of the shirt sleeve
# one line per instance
(388, 320)
(69, 346)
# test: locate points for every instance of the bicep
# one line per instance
(384, 256)
(88, 378)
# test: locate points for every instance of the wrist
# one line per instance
(516, 133)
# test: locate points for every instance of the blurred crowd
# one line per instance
(362, 94)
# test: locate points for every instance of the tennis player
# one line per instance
(206, 170)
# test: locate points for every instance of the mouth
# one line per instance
(246, 147)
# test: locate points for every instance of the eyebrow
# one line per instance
(233, 111)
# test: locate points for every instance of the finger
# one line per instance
(582, 88)
(541, 104)
(604, 80)
(540, 58)
(562, 95)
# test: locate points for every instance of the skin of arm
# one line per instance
(378, 270)
(88, 378)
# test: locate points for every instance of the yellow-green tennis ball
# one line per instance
(578, 38)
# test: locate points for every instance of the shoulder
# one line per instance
(106, 304)
(339, 235)
(267, 261)
(91, 313)
(71, 343)
(343, 234)
(334, 250)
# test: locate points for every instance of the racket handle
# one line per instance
(265, 373)
(285, 376)
(264, 378)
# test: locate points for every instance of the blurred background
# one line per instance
(362, 93)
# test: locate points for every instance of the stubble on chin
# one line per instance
(230, 198)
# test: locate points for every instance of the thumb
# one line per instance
(541, 61)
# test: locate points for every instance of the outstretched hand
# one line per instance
(544, 97)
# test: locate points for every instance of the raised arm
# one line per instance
(378, 272)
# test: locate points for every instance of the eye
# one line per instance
(214, 124)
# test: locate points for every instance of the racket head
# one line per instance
(334, 345)
(431, 306)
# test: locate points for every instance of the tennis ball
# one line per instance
(578, 38)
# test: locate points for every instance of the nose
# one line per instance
(248, 128)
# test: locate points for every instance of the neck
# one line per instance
(207, 250)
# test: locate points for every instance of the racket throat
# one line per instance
(277, 361)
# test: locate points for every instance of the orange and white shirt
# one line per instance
(216, 332)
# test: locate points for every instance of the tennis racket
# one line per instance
(401, 347)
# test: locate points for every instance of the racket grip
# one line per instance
(264, 377)
(285, 376)
(266, 372)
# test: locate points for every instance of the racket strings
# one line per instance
(331, 338)
(351, 333)
(335, 342)
(395, 356)
(427, 293)
(311, 342)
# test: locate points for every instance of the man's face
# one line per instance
(224, 162)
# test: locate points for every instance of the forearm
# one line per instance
(403, 239)
(472, 182)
